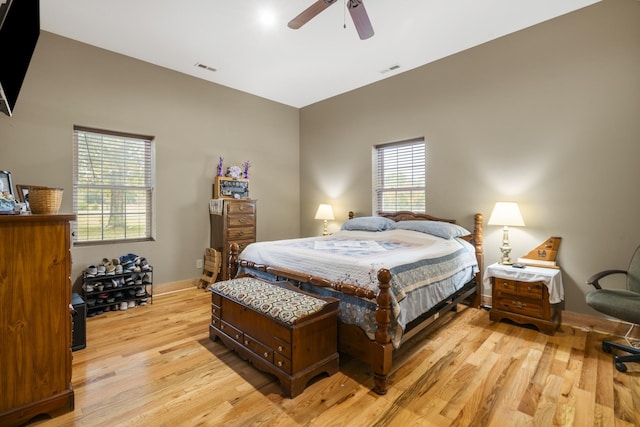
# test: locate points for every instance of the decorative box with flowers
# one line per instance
(235, 183)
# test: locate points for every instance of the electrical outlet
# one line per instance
(198, 263)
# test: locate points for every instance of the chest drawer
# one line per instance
(244, 233)
(258, 348)
(241, 208)
(231, 331)
(241, 221)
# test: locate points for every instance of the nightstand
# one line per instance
(531, 295)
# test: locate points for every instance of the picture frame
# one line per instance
(231, 188)
(6, 184)
(22, 192)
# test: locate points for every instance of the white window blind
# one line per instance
(400, 176)
(112, 186)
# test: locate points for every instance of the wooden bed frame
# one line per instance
(352, 339)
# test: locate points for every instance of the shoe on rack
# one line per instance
(88, 287)
(140, 292)
(101, 270)
(124, 305)
(132, 304)
(111, 269)
(91, 271)
(146, 279)
(119, 269)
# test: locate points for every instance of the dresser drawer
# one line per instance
(242, 207)
(244, 233)
(241, 221)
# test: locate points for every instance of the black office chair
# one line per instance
(623, 304)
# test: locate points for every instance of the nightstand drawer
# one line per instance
(521, 306)
(504, 286)
(531, 289)
(513, 287)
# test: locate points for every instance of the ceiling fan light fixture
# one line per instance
(360, 19)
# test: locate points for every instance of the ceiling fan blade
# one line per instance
(360, 19)
(309, 13)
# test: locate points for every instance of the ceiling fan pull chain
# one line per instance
(344, 15)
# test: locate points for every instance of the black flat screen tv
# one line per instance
(19, 32)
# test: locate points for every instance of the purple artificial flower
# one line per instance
(220, 166)
(246, 165)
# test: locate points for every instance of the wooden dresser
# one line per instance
(236, 223)
(35, 317)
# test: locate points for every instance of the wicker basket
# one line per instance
(43, 200)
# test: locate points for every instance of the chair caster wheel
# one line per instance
(606, 347)
(621, 367)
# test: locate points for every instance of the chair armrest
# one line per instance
(593, 280)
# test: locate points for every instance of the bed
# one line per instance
(394, 273)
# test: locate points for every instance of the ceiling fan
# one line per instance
(356, 9)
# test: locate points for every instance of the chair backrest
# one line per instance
(633, 275)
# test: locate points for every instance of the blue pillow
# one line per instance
(445, 230)
(369, 223)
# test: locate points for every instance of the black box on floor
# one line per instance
(78, 323)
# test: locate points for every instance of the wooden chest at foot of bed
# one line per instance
(280, 329)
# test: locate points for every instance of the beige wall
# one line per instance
(193, 121)
(548, 117)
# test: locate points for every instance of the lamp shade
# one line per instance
(506, 213)
(325, 212)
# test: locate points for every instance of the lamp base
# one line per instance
(505, 248)
(505, 260)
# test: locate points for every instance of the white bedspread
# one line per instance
(425, 269)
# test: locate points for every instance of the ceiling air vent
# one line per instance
(205, 67)
(392, 68)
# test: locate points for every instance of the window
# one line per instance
(399, 176)
(112, 186)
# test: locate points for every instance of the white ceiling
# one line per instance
(294, 67)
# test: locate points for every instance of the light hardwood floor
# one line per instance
(155, 366)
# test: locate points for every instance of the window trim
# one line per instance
(150, 186)
(377, 180)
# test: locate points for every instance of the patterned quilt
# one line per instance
(425, 269)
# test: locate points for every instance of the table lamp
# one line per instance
(506, 214)
(325, 213)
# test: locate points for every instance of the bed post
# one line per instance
(232, 262)
(477, 243)
(382, 349)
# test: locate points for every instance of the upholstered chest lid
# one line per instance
(277, 302)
